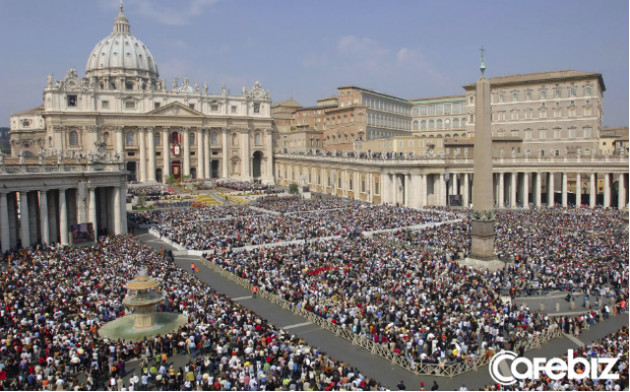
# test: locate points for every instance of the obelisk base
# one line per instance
(482, 247)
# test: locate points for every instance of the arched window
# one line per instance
(431, 124)
(456, 123)
(130, 139)
(439, 124)
(415, 124)
(423, 124)
(74, 138)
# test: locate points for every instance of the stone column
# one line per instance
(565, 202)
(53, 233)
(525, 197)
(606, 189)
(621, 196)
(269, 156)
(466, 196)
(226, 155)
(123, 208)
(538, 190)
(120, 142)
(92, 207)
(578, 190)
(201, 172)
(63, 218)
(206, 153)
(550, 190)
(186, 152)
(513, 189)
(166, 155)
(33, 215)
(5, 235)
(142, 165)
(25, 232)
(442, 199)
(246, 159)
(43, 216)
(456, 184)
(593, 191)
(408, 193)
(501, 200)
(117, 214)
(151, 151)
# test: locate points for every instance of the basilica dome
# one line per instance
(121, 51)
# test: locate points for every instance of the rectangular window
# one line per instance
(377, 190)
(542, 133)
(350, 184)
(500, 97)
(339, 183)
(104, 104)
(528, 95)
(587, 132)
(192, 106)
(572, 92)
(543, 94)
(214, 107)
(515, 96)
(156, 105)
(362, 186)
(588, 91)
(233, 109)
(571, 133)
(528, 134)
(72, 100)
(130, 105)
(256, 108)
(557, 93)
(128, 86)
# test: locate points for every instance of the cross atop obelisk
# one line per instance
(483, 62)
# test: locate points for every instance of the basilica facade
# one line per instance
(121, 109)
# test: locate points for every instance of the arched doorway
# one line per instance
(193, 173)
(131, 171)
(158, 175)
(256, 163)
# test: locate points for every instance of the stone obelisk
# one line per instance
(482, 217)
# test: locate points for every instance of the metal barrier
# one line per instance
(418, 368)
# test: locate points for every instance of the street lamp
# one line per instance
(447, 174)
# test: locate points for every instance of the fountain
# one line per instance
(143, 321)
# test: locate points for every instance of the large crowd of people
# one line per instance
(293, 204)
(190, 227)
(55, 299)
(614, 345)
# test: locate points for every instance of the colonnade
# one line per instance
(214, 152)
(433, 184)
(32, 216)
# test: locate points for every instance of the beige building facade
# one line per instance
(122, 108)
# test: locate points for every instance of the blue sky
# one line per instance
(306, 49)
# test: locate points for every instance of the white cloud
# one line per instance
(360, 46)
(172, 13)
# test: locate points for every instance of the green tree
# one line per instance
(293, 188)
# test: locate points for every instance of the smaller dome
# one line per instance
(185, 87)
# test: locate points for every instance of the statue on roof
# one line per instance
(205, 88)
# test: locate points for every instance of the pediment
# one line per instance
(175, 109)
